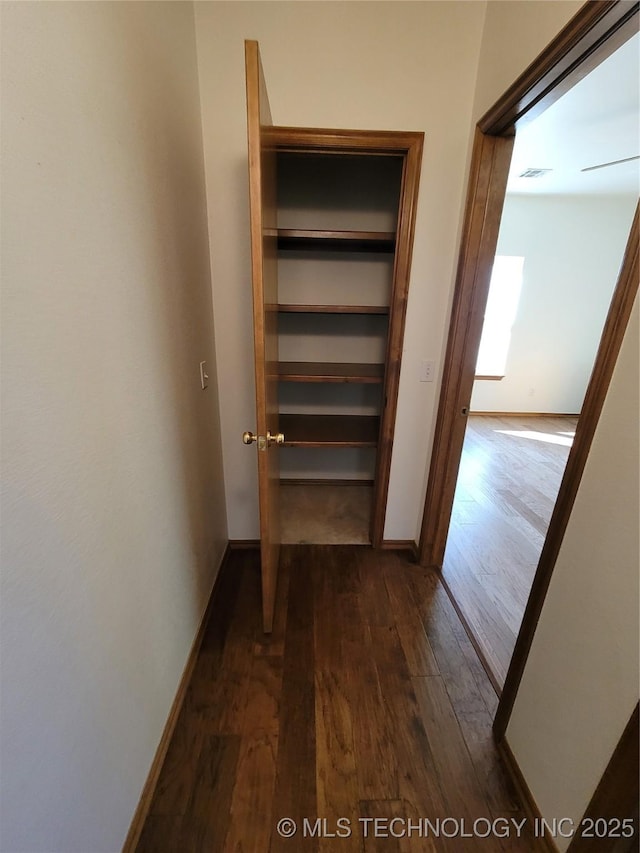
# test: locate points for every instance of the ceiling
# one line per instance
(596, 122)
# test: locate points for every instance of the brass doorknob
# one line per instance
(278, 438)
(249, 437)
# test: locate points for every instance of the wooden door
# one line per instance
(264, 274)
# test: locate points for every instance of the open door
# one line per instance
(264, 274)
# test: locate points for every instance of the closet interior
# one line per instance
(337, 228)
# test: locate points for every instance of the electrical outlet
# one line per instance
(427, 371)
(204, 376)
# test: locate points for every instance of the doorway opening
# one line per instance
(593, 35)
(571, 195)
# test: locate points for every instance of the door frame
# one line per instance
(593, 34)
(408, 145)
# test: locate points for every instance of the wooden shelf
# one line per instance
(323, 371)
(344, 241)
(334, 309)
(330, 430)
(324, 481)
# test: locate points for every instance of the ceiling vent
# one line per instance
(534, 173)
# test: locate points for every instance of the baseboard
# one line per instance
(243, 544)
(545, 842)
(400, 545)
(525, 414)
(386, 545)
(144, 804)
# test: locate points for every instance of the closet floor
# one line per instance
(322, 514)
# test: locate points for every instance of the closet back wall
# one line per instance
(380, 66)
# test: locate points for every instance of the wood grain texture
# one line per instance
(264, 277)
(510, 474)
(323, 718)
(331, 241)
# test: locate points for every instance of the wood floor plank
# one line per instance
(415, 643)
(208, 814)
(384, 828)
(419, 784)
(328, 721)
(175, 783)
(161, 832)
(496, 784)
(373, 737)
(251, 820)
(466, 686)
(372, 590)
(463, 794)
(335, 579)
(295, 788)
(336, 774)
(508, 482)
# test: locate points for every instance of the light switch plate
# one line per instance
(204, 376)
(427, 371)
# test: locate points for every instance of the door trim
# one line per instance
(407, 145)
(594, 33)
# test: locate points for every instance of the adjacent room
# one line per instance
(571, 196)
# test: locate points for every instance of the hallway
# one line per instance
(367, 701)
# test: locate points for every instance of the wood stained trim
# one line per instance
(485, 198)
(612, 337)
(148, 790)
(398, 310)
(597, 29)
(400, 545)
(616, 796)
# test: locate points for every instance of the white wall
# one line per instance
(515, 32)
(382, 65)
(113, 501)
(580, 684)
(573, 248)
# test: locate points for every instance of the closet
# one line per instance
(332, 217)
(341, 294)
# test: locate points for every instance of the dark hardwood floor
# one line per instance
(367, 701)
(508, 483)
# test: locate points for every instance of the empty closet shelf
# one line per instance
(346, 241)
(312, 371)
(332, 309)
(330, 430)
